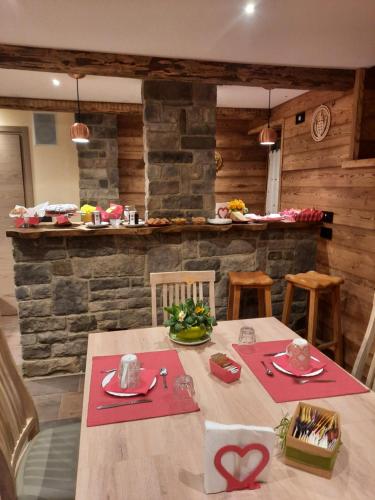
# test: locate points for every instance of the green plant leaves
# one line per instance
(189, 314)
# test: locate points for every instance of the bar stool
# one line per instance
(315, 284)
(257, 279)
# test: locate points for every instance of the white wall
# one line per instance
(54, 168)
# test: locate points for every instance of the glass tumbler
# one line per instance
(247, 338)
(183, 390)
(129, 371)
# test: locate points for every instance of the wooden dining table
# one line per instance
(162, 458)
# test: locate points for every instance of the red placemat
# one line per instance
(284, 387)
(163, 400)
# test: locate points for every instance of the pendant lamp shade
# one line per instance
(268, 135)
(79, 132)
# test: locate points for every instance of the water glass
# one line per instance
(183, 388)
(247, 337)
(129, 371)
(115, 223)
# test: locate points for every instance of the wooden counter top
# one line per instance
(48, 230)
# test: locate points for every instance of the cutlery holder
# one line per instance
(309, 457)
(223, 374)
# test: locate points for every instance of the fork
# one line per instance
(302, 381)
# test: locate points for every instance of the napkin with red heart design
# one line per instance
(236, 455)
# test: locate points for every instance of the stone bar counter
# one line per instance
(73, 281)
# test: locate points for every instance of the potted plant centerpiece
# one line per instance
(190, 322)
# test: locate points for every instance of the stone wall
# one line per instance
(67, 287)
(98, 160)
(179, 141)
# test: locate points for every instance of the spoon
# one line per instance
(268, 371)
(164, 372)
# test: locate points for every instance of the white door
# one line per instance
(11, 193)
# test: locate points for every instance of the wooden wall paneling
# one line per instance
(367, 134)
(309, 100)
(244, 174)
(313, 176)
(131, 163)
(358, 95)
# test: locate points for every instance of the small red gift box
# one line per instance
(224, 374)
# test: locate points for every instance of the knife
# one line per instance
(114, 405)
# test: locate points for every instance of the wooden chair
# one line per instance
(179, 286)
(316, 284)
(237, 281)
(33, 465)
(364, 351)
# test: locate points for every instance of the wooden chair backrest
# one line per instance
(179, 286)
(364, 351)
(18, 420)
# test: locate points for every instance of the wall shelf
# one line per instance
(365, 163)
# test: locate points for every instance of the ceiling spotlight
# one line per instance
(250, 8)
(56, 82)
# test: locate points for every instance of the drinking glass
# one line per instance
(183, 390)
(247, 338)
(129, 371)
(115, 223)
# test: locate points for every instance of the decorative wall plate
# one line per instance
(320, 123)
(219, 161)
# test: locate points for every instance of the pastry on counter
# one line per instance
(179, 220)
(18, 211)
(198, 220)
(158, 221)
(61, 208)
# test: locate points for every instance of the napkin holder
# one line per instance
(223, 374)
(308, 457)
(237, 457)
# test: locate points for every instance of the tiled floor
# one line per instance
(56, 398)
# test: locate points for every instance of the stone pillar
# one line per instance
(98, 161)
(179, 138)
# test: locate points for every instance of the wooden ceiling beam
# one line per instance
(162, 68)
(67, 106)
(119, 108)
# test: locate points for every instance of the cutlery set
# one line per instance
(298, 380)
(163, 373)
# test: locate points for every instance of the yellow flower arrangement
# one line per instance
(199, 309)
(236, 205)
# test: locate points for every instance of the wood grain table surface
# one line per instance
(162, 458)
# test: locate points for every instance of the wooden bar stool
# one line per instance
(257, 279)
(317, 283)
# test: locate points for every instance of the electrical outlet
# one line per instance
(326, 233)
(327, 217)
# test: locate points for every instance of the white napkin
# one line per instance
(219, 435)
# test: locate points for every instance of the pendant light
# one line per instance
(268, 135)
(79, 132)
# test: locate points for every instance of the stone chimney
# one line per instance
(179, 126)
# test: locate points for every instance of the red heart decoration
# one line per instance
(223, 212)
(249, 481)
